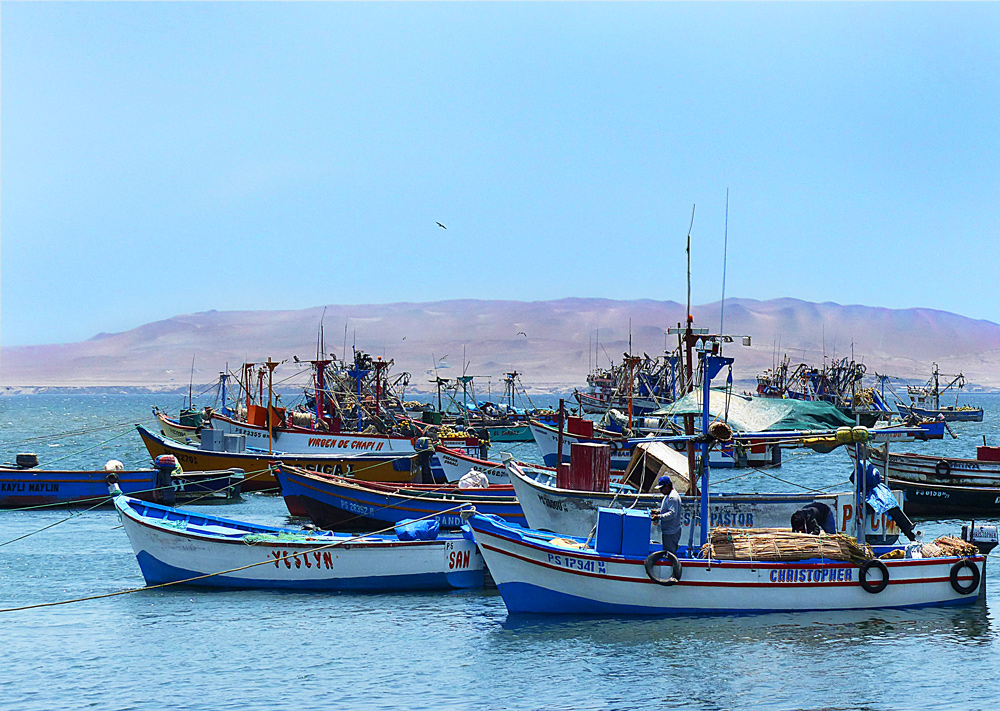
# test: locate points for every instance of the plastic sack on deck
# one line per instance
(411, 530)
(881, 499)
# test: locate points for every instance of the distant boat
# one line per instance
(25, 486)
(343, 504)
(175, 546)
(925, 401)
(386, 466)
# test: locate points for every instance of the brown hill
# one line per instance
(552, 342)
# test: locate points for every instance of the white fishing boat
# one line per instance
(548, 508)
(547, 573)
(176, 546)
(621, 572)
(451, 465)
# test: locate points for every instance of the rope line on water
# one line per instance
(209, 575)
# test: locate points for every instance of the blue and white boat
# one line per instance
(622, 572)
(343, 504)
(176, 546)
(547, 573)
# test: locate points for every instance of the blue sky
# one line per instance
(166, 158)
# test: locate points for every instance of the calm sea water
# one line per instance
(192, 649)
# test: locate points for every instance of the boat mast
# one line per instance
(271, 365)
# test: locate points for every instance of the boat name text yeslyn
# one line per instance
(335, 443)
(297, 559)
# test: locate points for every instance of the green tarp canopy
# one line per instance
(758, 414)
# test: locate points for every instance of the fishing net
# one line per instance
(758, 414)
(777, 544)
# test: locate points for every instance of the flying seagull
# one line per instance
(440, 225)
(522, 333)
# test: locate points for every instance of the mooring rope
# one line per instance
(210, 575)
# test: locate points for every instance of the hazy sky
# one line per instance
(165, 158)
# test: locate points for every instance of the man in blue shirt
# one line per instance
(669, 515)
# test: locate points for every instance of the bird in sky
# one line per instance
(522, 333)
(440, 225)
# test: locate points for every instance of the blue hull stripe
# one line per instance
(524, 598)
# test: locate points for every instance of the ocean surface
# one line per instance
(187, 648)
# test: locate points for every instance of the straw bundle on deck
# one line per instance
(781, 544)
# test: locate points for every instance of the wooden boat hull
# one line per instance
(574, 513)
(256, 465)
(172, 546)
(339, 504)
(945, 500)
(947, 486)
(451, 465)
(538, 576)
(294, 441)
(510, 433)
(36, 487)
(172, 429)
(949, 414)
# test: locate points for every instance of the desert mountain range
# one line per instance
(552, 343)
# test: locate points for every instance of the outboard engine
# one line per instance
(165, 464)
(984, 537)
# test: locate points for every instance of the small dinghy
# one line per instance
(176, 546)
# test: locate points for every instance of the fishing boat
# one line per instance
(731, 570)
(451, 465)
(337, 503)
(173, 429)
(257, 465)
(945, 486)
(836, 382)
(925, 401)
(27, 485)
(176, 546)
(541, 572)
(548, 507)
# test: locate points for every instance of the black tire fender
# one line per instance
(973, 584)
(873, 588)
(942, 468)
(676, 570)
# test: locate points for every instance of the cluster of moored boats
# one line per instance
(404, 498)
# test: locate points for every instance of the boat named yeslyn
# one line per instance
(175, 546)
(546, 573)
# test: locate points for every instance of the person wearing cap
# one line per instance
(669, 515)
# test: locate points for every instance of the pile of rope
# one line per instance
(778, 544)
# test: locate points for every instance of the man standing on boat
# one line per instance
(669, 515)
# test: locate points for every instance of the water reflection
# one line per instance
(968, 624)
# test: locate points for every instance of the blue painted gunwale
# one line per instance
(388, 506)
(20, 487)
(155, 571)
(559, 602)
